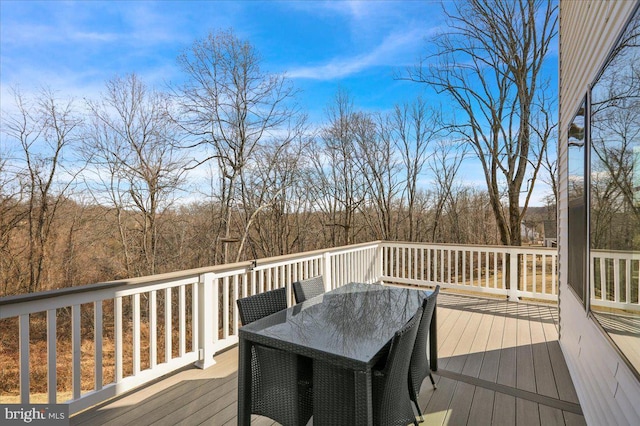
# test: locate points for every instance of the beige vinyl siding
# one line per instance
(609, 392)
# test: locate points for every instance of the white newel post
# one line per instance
(513, 276)
(326, 274)
(25, 388)
(379, 271)
(205, 320)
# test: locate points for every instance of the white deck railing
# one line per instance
(616, 279)
(186, 317)
(486, 269)
(196, 306)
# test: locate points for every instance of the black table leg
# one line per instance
(244, 382)
(364, 397)
(433, 341)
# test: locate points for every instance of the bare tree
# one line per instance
(614, 154)
(132, 144)
(230, 107)
(338, 183)
(380, 167)
(271, 194)
(45, 128)
(545, 128)
(414, 126)
(489, 63)
(445, 163)
(12, 213)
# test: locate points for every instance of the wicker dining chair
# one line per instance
(334, 392)
(419, 367)
(306, 289)
(281, 381)
(390, 392)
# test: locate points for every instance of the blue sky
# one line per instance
(73, 47)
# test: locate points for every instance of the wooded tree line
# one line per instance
(87, 199)
(101, 189)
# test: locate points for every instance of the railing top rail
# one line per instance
(246, 265)
(468, 246)
(170, 276)
(615, 253)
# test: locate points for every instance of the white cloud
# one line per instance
(391, 52)
(93, 36)
(396, 31)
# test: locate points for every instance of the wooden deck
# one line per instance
(500, 363)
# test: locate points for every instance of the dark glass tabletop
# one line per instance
(349, 325)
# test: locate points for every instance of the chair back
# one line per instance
(403, 339)
(395, 395)
(306, 289)
(419, 368)
(280, 381)
(260, 305)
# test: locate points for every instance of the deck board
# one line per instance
(463, 346)
(566, 390)
(545, 383)
(440, 401)
(478, 347)
(504, 410)
(481, 411)
(483, 345)
(571, 419)
(525, 373)
(491, 359)
(527, 413)
(507, 370)
(458, 412)
(550, 415)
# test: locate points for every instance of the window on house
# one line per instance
(577, 224)
(614, 202)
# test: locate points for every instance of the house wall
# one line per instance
(608, 390)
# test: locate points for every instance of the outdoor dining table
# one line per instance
(350, 327)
